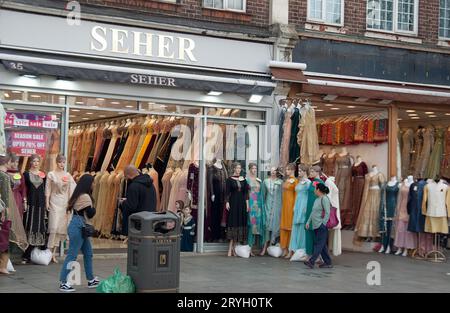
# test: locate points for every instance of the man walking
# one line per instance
(141, 195)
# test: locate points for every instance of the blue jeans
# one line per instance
(320, 245)
(77, 243)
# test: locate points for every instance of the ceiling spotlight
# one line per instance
(100, 99)
(102, 115)
(162, 106)
(16, 91)
(129, 106)
(415, 118)
(410, 111)
(6, 95)
(351, 106)
(75, 110)
(319, 110)
(89, 113)
(328, 105)
(335, 109)
(412, 114)
(429, 112)
(432, 115)
(35, 96)
(214, 93)
(29, 75)
(448, 114)
(115, 102)
(79, 102)
(85, 118)
(255, 99)
(121, 113)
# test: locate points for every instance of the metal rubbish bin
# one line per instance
(154, 251)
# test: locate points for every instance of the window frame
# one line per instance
(323, 19)
(439, 28)
(395, 29)
(225, 7)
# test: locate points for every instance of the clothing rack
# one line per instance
(351, 118)
(105, 119)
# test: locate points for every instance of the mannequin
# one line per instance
(192, 183)
(404, 239)
(58, 190)
(388, 212)
(367, 225)
(272, 206)
(237, 205)
(34, 217)
(359, 171)
(188, 230)
(329, 163)
(217, 164)
(256, 217)
(215, 219)
(287, 209)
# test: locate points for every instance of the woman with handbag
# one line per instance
(79, 231)
(317, 221)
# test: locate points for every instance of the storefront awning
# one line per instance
(287, 71)
(143, 76)
(372, 90)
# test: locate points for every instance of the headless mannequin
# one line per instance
(344, 152)
(372, 173)
(332, 153)
(189, 192)
(392, 182)
(407, 182)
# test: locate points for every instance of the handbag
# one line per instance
(87, 230)
(333, 221)
(5, 227)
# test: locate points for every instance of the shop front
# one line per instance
(381, 117)
(174, 105)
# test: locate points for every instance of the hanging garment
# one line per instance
(107, 135)
(2, 130)
(416, 221)
(281, 125)
(445, 166)
(298, 233)
(272, 199)
(167, 187)
(162, 159)
(192, 183)
(58, 189)
(359, 172)
(294, 148)
(388, 211)
(344, 184)
(434, 163)
(428, 141)
(309, 206)
(329, 165)
(335, 237)
(111, 147)
(17, 233)
(124, 139)
(418, 146)
(436, 207)
(284, 150)
(140, 142)
(145, 143)
(367, 224)
(55, 144)
(404, 238)
(34, 217)
(309, 145)
(103, 195)
(237, 192)
(408, 143)
(155, 178)
(256, 216)
(99, 142)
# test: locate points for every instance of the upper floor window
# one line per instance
(232, 5)
(444, 19)
(326, 11)
(393, 15)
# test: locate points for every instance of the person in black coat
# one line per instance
(141, 195)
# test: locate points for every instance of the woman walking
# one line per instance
(80, 204)
(317, 222)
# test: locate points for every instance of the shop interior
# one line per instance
(105, 135)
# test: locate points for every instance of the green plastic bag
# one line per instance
(117, 283)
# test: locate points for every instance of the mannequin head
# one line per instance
(179, 205)
(344, 150)
(302, 171)
(290, 170)
(13, 163)
(252, 169)
(374, 169)
(35, 162)
(236, 168)
(314, 172)
(60, 162)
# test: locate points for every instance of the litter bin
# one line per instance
(154, 251)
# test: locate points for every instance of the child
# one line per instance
(188, 231)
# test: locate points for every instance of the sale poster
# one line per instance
(27, 143)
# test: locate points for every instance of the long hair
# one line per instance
(84, 186)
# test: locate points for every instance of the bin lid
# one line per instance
(154, 224)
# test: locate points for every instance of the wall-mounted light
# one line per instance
(214, 93)
(29, 75)
(255, 99)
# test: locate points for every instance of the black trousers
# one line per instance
(320, 245)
